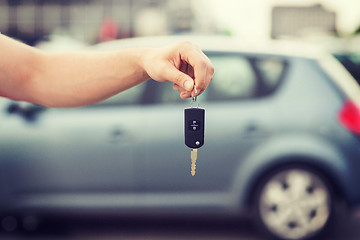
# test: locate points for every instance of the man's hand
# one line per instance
(183, 63)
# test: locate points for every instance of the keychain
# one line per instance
(194, 129)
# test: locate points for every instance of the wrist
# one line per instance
(142, 58)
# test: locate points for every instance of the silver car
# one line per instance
(282, 142)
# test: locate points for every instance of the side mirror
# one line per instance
(27, 111)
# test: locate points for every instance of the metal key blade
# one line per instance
(193, 156)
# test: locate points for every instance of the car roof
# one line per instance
(215, 43)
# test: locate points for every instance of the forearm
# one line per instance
(76, 79)
(66, 79)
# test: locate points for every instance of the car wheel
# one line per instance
(293, 203)
(9, 223)
(30, 223)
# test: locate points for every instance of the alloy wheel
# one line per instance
(294, 204)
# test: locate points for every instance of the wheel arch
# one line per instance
(296, 161)
(307, 151)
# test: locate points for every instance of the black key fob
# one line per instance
(194, 127)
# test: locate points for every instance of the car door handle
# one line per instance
(117, 135)
(117, 132)
(251, 129)
(254, 129)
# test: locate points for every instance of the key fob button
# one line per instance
(194, 125)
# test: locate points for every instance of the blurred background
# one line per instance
(72, 24)
(91, 21)
(57, 25)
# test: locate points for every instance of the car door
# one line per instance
(237, 119)
(71, 157)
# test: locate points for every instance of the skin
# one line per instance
(74, 79)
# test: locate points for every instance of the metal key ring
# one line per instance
(194, 98)
(191, 104)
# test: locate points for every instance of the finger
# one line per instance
(179, 78)
(178, 88)
(185, 95)
(198, 70)
(188, 69)
(202, 68)
(183, 67)
(203, 75)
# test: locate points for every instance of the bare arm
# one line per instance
(82, 78)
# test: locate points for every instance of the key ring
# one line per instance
(194, 98)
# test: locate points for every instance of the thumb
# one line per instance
(174, 75)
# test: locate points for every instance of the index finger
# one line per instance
(203, 69)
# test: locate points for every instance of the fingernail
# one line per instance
(188, 85)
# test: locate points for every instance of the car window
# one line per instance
(236, 76)
(167, 94)
(129, 97)
(271, 70)
(351, 61)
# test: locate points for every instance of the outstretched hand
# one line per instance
(72, 79)
(183, 63)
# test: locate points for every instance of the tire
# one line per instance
(19, 223)
(294, 203)
(30, 223)
(9, 223)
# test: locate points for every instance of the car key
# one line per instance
(194, 130)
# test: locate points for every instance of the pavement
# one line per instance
(133, 229)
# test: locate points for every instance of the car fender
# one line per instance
(309, 150)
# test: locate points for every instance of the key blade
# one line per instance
(193, 156)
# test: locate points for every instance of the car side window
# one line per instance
(168, 94)
(271, 70)
(237, 76)
(234, 78)
(129, 97)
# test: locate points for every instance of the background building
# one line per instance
(87, 20)
(301, 21)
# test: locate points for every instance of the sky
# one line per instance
(252, 17)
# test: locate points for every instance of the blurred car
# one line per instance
(282, 145)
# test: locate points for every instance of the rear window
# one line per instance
(342, 78)
(351, 61)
